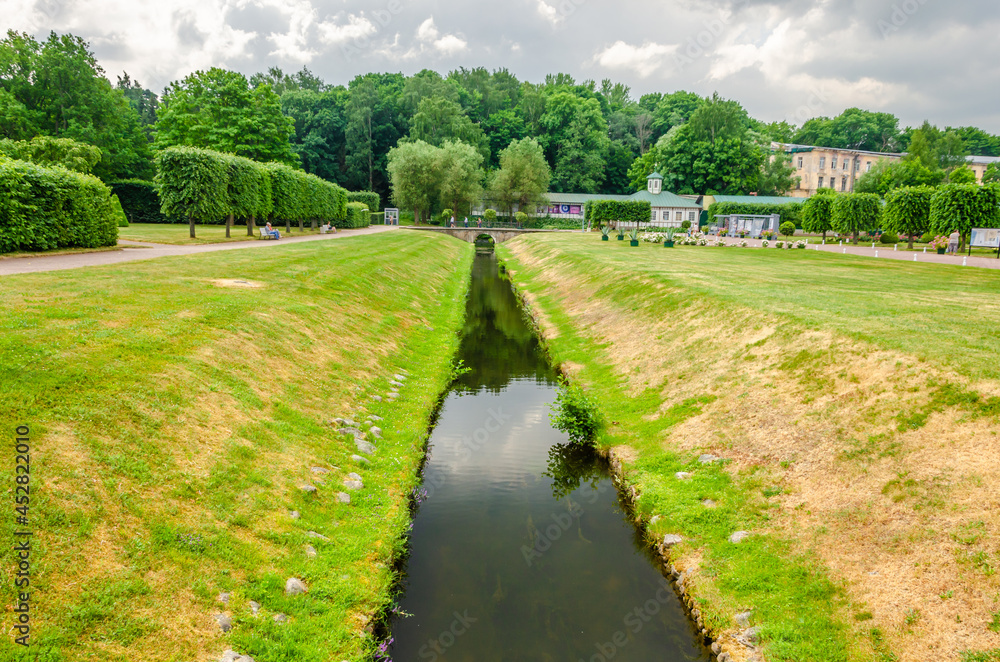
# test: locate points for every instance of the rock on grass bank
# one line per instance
(835, 411)
(186, 463)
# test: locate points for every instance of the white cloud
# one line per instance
(548, 12)
(448, 44)
(355, 27)
(642, 60)
(294, 44)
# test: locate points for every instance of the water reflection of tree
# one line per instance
(570, 466)
(496, 341)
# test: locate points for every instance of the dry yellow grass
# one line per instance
(902, 520)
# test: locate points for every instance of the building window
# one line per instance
(845, 164)
(843, 184)
(820, 183)
(679, 216)
(822, 162)
(654, 215)
(800, 163)
(868, 166)
(833, 163)
(691, 216)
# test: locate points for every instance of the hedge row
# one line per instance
(599, 212)
(140, 201)
(44, 209)
(357, 216)
(369, 198)
(204, 186)
(791, 211)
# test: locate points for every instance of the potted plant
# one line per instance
(940, 244)
(605, 231)
(621, 233)
(669, 241)
(633, 236)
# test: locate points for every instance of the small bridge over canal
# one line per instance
(470, 234)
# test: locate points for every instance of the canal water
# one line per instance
(521, 550)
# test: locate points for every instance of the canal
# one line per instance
(520, 549)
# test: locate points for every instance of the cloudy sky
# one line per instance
(783, 59)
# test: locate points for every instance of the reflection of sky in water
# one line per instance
(543, 579)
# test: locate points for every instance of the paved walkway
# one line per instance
(886, 252)
(136, 250)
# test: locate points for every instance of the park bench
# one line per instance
(265, 235)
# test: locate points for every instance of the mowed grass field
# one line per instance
(177, 406)
(854, 405)
(178, 234)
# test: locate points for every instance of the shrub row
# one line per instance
(791, 211)
(357, 216)
(205, 186)
(44, 209)
(368, 198)
(600, 212)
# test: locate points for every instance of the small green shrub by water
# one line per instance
(576, 414)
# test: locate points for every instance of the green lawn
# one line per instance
(948, 313)
(175, 411)
(659, 337)
(178, 234)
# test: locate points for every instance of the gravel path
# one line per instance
(135, 250)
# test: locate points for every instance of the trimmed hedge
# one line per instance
(791, 211)
(44, 209)
(140, 201)
(205, 186)
(357, 216)
(369, 198)
(119, 212)
(600, 212)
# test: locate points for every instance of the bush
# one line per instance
(926, 238)
(889, 238)
(787, 228)
(490, 216)
(44, 209)
(520, 217)
(576, 414)
(358, 216)
(368, 198)
(140, 201)
(685, 225)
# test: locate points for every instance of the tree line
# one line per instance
(594, 137)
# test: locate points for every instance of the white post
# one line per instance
(925, 250)
(895, 247)
(914, 257)
(845, 251)
(965, 259)
(873, 245)
(876, 253)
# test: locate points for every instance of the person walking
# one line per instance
(953, 240)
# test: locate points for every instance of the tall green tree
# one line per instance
(817, 212)
(320, 121)
(144, 102)
(854, 213)
(375, 123)
(48, 151)
(57, 88)
(908, 211)
(575, 141)
(461, 176)
(438, 121)
(217, 109)
(853, 129)
(523, 178)
(777, 175)
(413, 169)
(886, 176)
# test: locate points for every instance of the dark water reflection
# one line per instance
(521, 550)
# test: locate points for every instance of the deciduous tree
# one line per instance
(908, 211)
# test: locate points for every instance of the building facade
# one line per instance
(830, 167)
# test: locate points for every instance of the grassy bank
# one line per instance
(854, 406)
(178, 234)
(176, 409)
